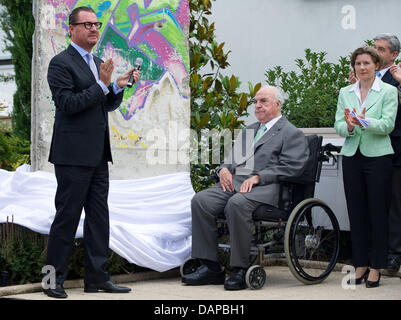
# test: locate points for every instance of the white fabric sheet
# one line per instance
(150, 219)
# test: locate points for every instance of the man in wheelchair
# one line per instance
(278, 149)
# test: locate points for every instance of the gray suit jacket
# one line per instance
(281, 152)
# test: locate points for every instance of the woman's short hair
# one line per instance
(376, 57)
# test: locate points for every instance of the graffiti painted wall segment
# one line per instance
(154, 30)
(149, 29)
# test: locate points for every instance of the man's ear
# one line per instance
(69, 30)
(394, 55)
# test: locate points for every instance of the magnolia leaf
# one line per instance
(233, 83)
(257, 87)
(205, 120)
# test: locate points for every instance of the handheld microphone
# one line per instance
(137, 66)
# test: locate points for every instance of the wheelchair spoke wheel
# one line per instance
(255, 277)
(312, 241)
(189, 266)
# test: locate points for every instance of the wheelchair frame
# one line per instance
(304, 225)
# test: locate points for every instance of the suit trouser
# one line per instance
(206, 206)
(77, 188)
(394, 234)
(367, 185)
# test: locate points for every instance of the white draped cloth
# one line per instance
(150, 218)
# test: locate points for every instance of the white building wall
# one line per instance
(265, 33)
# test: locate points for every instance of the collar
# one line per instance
(357, 90)
(383, 72)
(272, 122)
(375, 86)
(80, 50)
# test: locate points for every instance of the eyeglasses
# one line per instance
(88, 25)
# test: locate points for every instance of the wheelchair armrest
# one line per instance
(216, 177)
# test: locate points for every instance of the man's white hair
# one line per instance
(279, 94)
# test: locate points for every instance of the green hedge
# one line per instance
(312, 89)
(14, 151)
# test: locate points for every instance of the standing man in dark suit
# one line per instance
(278, 149)
(388, 46)
(80, 151)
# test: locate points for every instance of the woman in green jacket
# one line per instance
(365, 116)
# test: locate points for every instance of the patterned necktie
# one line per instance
(260, 133)
(92, 66)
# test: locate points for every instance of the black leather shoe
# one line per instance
(236, 281)
(58, 292)
(373, 284)
(203, 275)
(359, 280)
(393, 264)
(107, 286)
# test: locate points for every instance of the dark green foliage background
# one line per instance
(312, 89)
(18, 24)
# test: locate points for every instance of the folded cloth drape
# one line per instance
(150, 218)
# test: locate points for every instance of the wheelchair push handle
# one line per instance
(327, 150)
(331, 148)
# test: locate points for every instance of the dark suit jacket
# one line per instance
(81, 129)
(395, 135)
(281, 152)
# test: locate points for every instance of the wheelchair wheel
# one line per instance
(190, 265)
(255, 277)
(312, 241)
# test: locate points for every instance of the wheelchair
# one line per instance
(302, 226)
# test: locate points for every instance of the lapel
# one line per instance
(352, 101)
(370, 100)
(80, 61)
(373, 96)
(388, 78)
(266, 137)
(98, 61)
(272, 132)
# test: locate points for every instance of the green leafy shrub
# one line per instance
(18, 24)
(312, 90)
(22, 253)
(14, 151)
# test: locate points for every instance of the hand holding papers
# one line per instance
(363, 123)
(353, 119)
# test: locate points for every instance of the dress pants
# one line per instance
(206, 206)
(367, 185)
(77, 188)
(394, 242)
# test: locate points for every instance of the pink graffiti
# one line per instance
(181, 14)
(139, 97)
(167, 55)
(57, 3)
